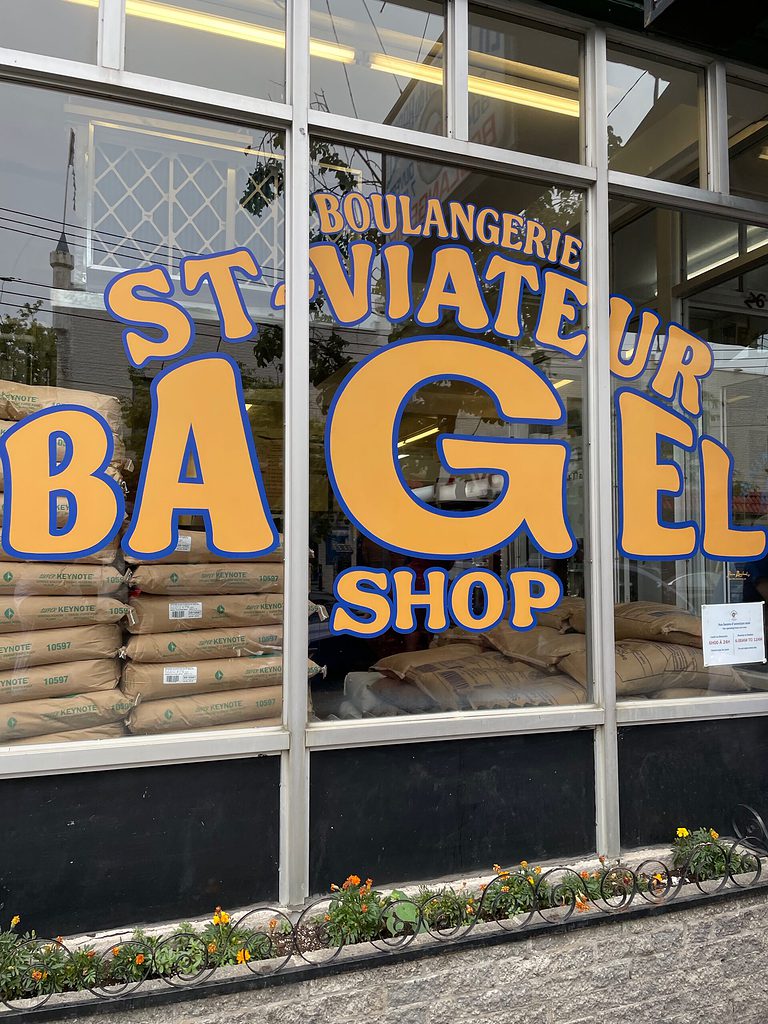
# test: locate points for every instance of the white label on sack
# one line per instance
(184, 543)
(185, 609)
(180, 674)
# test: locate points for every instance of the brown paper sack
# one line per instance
(62, 714)
(159, 682)
(560, 618)
(644, 666)
(192, 548)
(203, 644)
(457, 635)
(62, 514)
(49, 646)
(541, 646)
(19, 400)
(104, 557)
(648, 620)
(201, 712)
(490, 681)
(45, 578)
(224, 578)
(261, 724)
(98, 732)
(59, 680)
(398, 664)
(119, 459)
(152, 614)
(21, 613)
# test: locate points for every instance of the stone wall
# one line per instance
(706, 961)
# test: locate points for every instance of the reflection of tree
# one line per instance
(27, 347)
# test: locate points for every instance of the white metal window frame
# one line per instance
(298, 737)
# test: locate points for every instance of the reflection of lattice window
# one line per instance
(157, 195)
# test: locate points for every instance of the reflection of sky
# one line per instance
(631, 94)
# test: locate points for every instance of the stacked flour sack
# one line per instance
(60, 631)
(206, 644)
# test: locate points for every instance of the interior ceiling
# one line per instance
(738, 30)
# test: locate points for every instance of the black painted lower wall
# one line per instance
(424, 810)
(689, 773)
(98, 850)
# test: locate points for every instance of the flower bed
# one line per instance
(32, 969)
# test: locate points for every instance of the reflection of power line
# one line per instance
(78, 231)
(344, 66)
(629, 90)
(79, 240)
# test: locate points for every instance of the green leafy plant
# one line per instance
(354, 913)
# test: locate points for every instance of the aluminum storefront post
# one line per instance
(294, 776)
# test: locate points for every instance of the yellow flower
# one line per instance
(531, 880)
(505, 888)
(37, 975)
(658, 878)
(497, 869)
(523, 863)
(15, 920)
(537, 871)
(243, 956)
(715, 835)
(682, 833)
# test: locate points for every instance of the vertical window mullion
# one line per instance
(456, 69)
(111, 45)
(717, 128)
(600, 530)
(294, 782)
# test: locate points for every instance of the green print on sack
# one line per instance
(9, 613)
(171, 646)
(8, 576)
(167, 715)
(12, 723)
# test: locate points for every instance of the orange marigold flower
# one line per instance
(115, 951)
(470, 909)
(582, 905)
(15, 920)
(272, 924)
(364, 907)
(91, 954)
(352, 880)
(334, 887)
(243, 956)
(327, 917)
(369, 883)
(139, 959)
(537, 870)
(212, 947)
(585, 874)
(523, 863)
(497, 868)
(505, 888)
(37, 975)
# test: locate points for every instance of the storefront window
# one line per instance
(748, 140)
(654, 123)
(409, 263)
(689, 362)
(238, 47)
(379, 62)
(98, 647)
(56, 28)
(524, 90)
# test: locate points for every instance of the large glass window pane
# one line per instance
(703, 276)
(523, 87)
(748, 140)
(235, 46)
(415, 666)
(654, 123)
(116, 188)
(57, 28)
(379, 62)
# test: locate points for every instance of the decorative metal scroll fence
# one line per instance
(355, 922)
